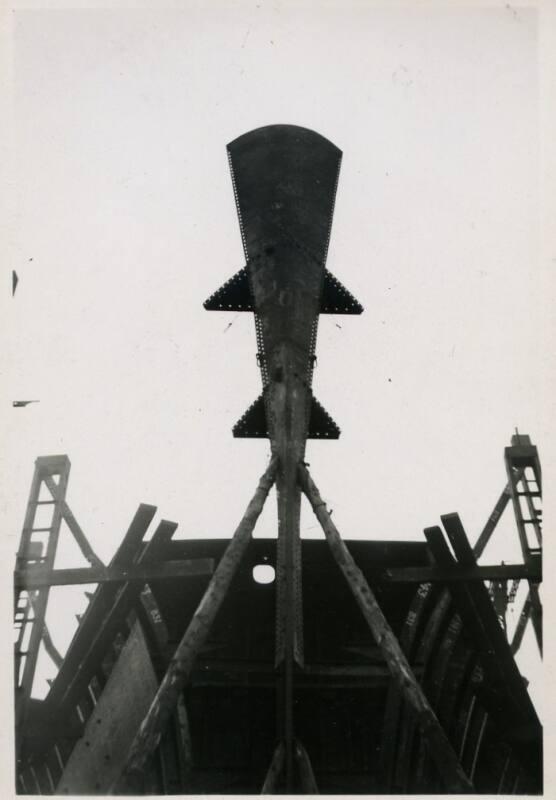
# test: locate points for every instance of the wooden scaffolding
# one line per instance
(170, 684)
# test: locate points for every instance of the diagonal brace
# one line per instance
(521, 625)
(441, 750)
(179, 670)
(74, 526)
(536, 613)
(492, 522)
(49, 645)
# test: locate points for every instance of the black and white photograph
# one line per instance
(293, 545)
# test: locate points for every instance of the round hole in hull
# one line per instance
(263, 573)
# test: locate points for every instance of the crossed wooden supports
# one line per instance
(181, 665)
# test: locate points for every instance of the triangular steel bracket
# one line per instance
(234, 295)
(336, 299)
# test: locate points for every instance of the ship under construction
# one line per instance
(362, 667)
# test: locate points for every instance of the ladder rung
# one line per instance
(41, 530)
(529, 494)
(44, 502)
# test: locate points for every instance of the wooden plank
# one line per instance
(394, 712)
(310, 670)
(37, 577)
(441, 750)
(97, 757)
(435, 689)
(460, 572)
(135, 534)
(155, 629)
(424, 656)
(379, 679)
(175, 754)
(314, 677)
(181, 665)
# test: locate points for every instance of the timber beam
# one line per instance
(460, 572)
(38, 577)
(312, 677)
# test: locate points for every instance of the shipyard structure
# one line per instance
(370, 667)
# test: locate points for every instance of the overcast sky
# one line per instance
(125, 222)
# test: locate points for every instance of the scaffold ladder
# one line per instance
(38, 543)
(46, 508)
(525, 480)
